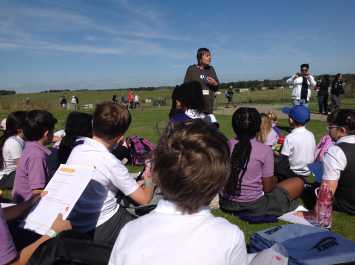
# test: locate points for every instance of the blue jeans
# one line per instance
(323, 103)
(300, 102)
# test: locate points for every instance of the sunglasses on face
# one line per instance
(304, 70)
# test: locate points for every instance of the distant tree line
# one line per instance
(7, 92)
(251, 84)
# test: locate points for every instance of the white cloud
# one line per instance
(44, 29)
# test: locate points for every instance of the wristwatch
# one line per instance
(51, 233)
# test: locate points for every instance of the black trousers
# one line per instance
(7, 181)
(107, 233)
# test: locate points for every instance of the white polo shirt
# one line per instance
(300, 147)
(297, 86)
(166, 236)
(11, 151)
(334, 160)
(98, 203)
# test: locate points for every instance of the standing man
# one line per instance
(130, 98)
(336, 91)
(206, 75)
(302, 84)
(323, 95)
(74, 103)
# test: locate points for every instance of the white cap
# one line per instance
(60, 133)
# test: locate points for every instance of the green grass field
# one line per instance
(150, 121)
(145, 124)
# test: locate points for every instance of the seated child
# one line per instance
(8, 252)
(187, 104)
(190, 165)
(272, 116)
(97, 211)
(339, 160)
(11, 146)
(251, 188)
(78, 124)
(299, 146)
(33, 173)
(267, 135)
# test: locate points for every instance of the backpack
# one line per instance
(140, 149)
(71, 248)
(306, 245)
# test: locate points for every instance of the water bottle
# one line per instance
(324, 206)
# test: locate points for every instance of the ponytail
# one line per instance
(239, 163)
(246, 124)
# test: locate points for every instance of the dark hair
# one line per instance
(191, 164)
(110, 120)
(37, 123)
(344, 118)
(246, 124)
(14, 122)
(306, 65)
(200, 53)
(189, 94)
(78, 124)
(337, 75)
(326, 78)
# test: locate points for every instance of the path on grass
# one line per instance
(276, 108)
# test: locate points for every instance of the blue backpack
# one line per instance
(306, 245)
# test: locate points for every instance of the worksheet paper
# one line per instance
(64, 189)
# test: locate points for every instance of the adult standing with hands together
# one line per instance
(302, 84)
(204, 73)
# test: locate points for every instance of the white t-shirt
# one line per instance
(11, 151)
(334, 160)
(166, 236)
(297, 86)
(98, 202)
(300, 147)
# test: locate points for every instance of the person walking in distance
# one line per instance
(336, 91)
(323, 94)
(302, 84)
(74, 103)
(204, 72)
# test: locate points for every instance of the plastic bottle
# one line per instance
(324, 206)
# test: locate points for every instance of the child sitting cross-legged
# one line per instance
(190, 165)
(187, 104)
(33, 173)
(252, 189)
(299, 147)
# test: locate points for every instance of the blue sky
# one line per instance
(122, 43)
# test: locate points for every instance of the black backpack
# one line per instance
(71, 248)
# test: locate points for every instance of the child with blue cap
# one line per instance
(298, 149)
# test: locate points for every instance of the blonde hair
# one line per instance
(272, 116)
(265, 128)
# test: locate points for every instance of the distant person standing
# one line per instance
(130, 98)
(136, 101)
(229, 95)
(336, 91)
(114, 99)
(302, 84)
(206, 75)
(63, 102)
(323, 94)
(74, 103)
